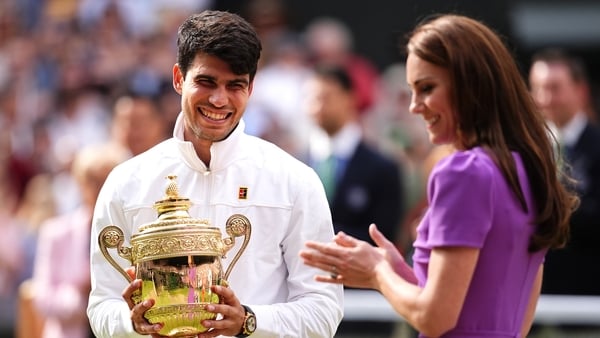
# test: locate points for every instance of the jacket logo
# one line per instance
(243, 193)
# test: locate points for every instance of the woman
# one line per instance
(496, 204)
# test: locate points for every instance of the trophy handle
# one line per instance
(237, 225)
(112, 237)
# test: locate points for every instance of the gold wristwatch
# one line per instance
(249, 323)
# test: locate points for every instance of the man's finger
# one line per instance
(131, 272)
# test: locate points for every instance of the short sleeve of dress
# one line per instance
(461, 191)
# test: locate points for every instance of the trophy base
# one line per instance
(180, 321)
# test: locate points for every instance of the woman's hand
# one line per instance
(350, 261)
(393, 255)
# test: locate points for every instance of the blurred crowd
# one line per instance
(80, 73)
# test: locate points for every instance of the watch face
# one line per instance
(251, 323)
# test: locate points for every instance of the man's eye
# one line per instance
(207, 83)
(237, 86)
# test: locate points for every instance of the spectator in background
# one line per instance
(138, 18)
(12, 188)
(138, 123)
(560, 88)
(18, 243)
(330, 40)
(363, 186)
(60, 295)
(271, 20)
(81, 119)
(391, 126)
(275, 109)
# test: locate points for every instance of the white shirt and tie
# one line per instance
(330, 155)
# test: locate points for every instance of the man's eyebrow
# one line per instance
(241, 80)
(204, 77)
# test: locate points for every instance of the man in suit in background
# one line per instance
(559, 86)
(362, 185)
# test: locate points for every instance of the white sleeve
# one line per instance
(314, 309)
(107, 310)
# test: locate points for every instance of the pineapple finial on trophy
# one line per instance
(172, 205)
(172, 188)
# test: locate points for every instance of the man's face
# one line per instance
(329, 104)
(555, 92)
(213, 98)
(138, 125)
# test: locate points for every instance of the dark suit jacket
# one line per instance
(576, 269)
(369, 191)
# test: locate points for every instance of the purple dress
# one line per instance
(471, 205)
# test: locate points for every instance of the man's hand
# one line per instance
(232, 311)
(139, 322)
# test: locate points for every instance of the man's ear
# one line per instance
(177, 78)
(584, 93)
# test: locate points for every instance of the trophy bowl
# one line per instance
(178, 259)
(181, 288)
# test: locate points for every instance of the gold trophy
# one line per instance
(178, 259)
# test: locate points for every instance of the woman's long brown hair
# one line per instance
(495, 111)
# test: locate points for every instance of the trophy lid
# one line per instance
(173, 210)
(175, 233)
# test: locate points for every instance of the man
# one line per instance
(138, 123)
(362, 185)
(215, 161)
(559, 86)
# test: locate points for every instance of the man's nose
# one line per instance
(542, 98)
(218, 97)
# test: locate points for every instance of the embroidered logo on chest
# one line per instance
(243, 193)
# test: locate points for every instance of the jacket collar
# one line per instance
(222, 153)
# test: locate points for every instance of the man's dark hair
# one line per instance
(575, 64)
(221, 34)
(336, 73)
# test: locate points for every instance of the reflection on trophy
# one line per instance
(178, 259)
